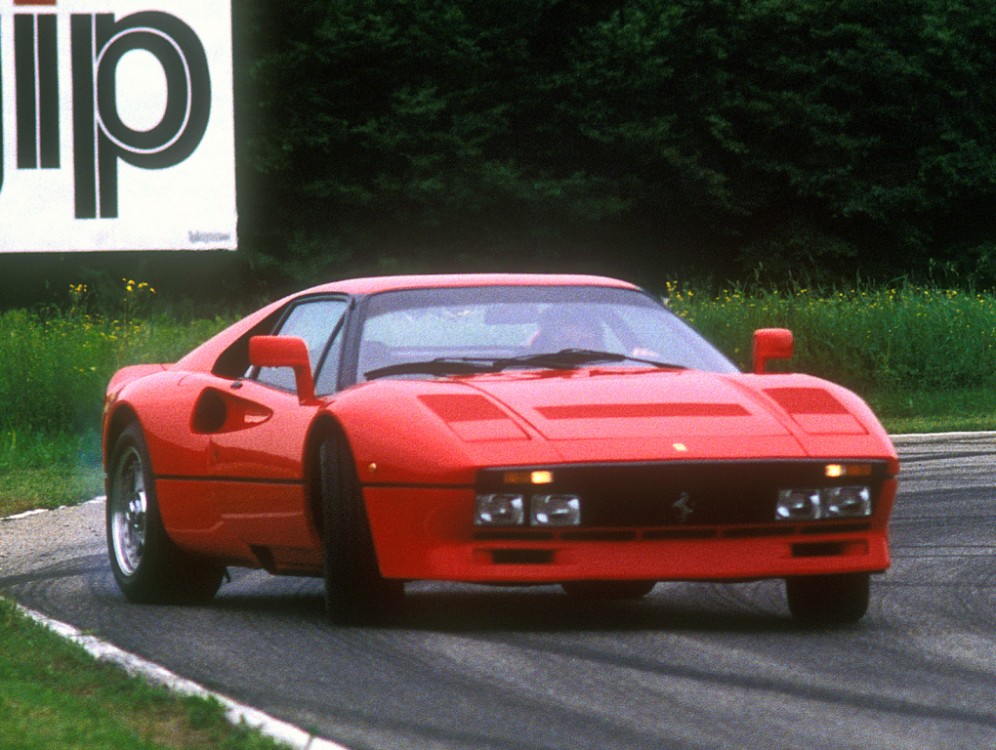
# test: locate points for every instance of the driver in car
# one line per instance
(566, 328)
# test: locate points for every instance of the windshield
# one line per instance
(425, 332)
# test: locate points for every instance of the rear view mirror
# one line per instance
(285, 351)
(769, 344)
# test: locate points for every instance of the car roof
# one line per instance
(374, 284)
(204, 356)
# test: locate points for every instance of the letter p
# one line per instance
(100, 135)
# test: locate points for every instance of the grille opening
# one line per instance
(672, 495)
(680, 534)
(758, 531)
(264, 557)
(598, 535)
(839, 528)
(512, 535)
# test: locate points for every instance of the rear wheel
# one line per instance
(146, 564)
(608, 589)
(828, 600)
(355, 591)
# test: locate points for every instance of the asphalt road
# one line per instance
(691, 666)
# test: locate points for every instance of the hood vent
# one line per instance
(624, 411)
(816, 411)
(806, 401)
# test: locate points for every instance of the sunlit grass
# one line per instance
(54, 367)
(56, 697)
(964, 410)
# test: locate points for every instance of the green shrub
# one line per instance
(907, 338)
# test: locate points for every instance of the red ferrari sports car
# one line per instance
(490, 428)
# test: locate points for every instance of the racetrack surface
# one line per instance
(691, 666)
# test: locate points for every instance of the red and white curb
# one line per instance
(235, 712)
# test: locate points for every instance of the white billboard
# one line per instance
(116, 125)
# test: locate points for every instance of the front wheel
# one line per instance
(146, 564)
(355, 591)
(828, 600)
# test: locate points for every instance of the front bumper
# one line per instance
(428, 533)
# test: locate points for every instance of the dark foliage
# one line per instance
(807, 138)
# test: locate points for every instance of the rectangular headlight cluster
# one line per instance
(829, 502)
(511, 509)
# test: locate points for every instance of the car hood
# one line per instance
(625, 414)
(588, 403)
(438, 431)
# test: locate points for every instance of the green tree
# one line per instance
(791, 135)
(406, 126)
(801, 134)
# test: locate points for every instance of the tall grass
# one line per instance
(55, 363)
(905, 338)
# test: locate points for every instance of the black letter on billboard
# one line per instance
(37, 76)
(100, 136)
(1, 104)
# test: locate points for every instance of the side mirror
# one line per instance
(769, 344)
(285, 351)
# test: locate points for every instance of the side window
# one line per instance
(315, 321)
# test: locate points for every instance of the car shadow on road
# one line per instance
(549, 610)
(457, 608)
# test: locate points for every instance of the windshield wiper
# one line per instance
(438, 366)
(565, 359)
(570, 358)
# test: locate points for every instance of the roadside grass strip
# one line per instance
(271, 733)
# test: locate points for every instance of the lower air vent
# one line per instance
(522, 556)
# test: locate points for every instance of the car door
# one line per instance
(256, 446)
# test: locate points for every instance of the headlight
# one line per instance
(555, 510)
(847, 502)
(500, 510)
(798, 505)
(830, 502)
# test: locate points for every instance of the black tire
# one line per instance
(147, 566)
(355, 591)
(827, 601)
(619, 590)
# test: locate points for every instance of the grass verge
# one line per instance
(40, 470)
(57, 697)
(965, 410)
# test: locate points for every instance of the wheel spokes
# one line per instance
(130, 509)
